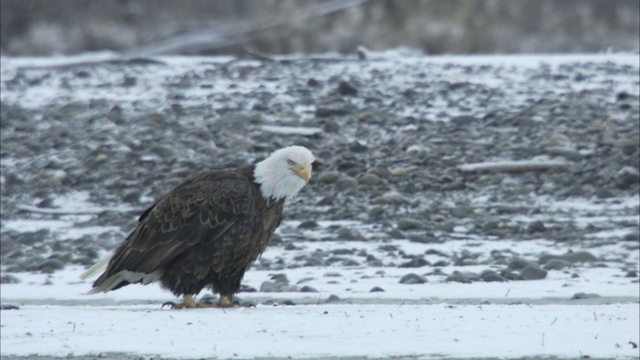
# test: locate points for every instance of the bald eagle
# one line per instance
(208, 230)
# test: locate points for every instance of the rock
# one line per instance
(309, 224)
(414, 263)
(574, 257)
(392, 197)
(332, 274)
(322, 112)
(536, 226)
(457, 277)
(627, 177)
(328, 177)
(492, 276)
(50, 265)
(582, 295)
(373, 261)
(412, 278)
(9, 279)
(333, 299)
(464, 120)
(369, 179)
(345, 88)
(269, 286)
(376, 289)
(308, 289)
(557, 264)
(580, 257)
(531, 272)
(346, 183)
(409, 224)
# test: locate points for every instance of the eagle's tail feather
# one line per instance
(124, 278)
(95, 269)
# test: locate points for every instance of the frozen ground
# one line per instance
(466, 207)
(342, 319)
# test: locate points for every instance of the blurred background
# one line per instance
(45, 27)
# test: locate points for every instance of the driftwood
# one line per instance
(513, 166)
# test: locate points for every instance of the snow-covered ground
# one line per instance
(431, 320)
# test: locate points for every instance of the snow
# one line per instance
(312, 331)
(436, 319)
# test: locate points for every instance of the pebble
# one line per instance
(414, 263)
(346, 183)
(369, 179)
(557, 264)
(413, 279)
(536, 226)
(409, 224)
(345, 88)
(50, 266)
(627, 177)
(457, 277)
(531, 272)
(582, 295)
(376, 289)
(492, 276)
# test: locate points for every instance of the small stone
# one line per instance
(391, 197)
(269, 286)
(582, 295)
(464, 120)
(414, 263)
(369, 180)
(492, 276)
(51, 265)
(536, 226)
(332, 274)
(627, 177)
(604, 194)
(457, 277)
(346, 183)
(557, 264)
(327, 112)
(345, 88)
(328, 177)
(308, 289)
(309, 224)
(531, 272)
(376, 289)
(333, 299)
(409, 224)
(581, 257)
(9, 279)
(412, 278)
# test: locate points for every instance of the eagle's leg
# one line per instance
(188, 303)
(225, 302)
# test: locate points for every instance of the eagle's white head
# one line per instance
(284, 173)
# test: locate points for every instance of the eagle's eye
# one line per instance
(291, 162)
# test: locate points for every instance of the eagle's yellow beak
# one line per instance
(304, 171)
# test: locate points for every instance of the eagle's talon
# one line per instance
(171, 304)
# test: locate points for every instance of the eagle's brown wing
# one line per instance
(199, 210)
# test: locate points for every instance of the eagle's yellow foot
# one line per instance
(224, 302)
(188, 303)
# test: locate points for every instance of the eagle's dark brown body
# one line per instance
(206, 232)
